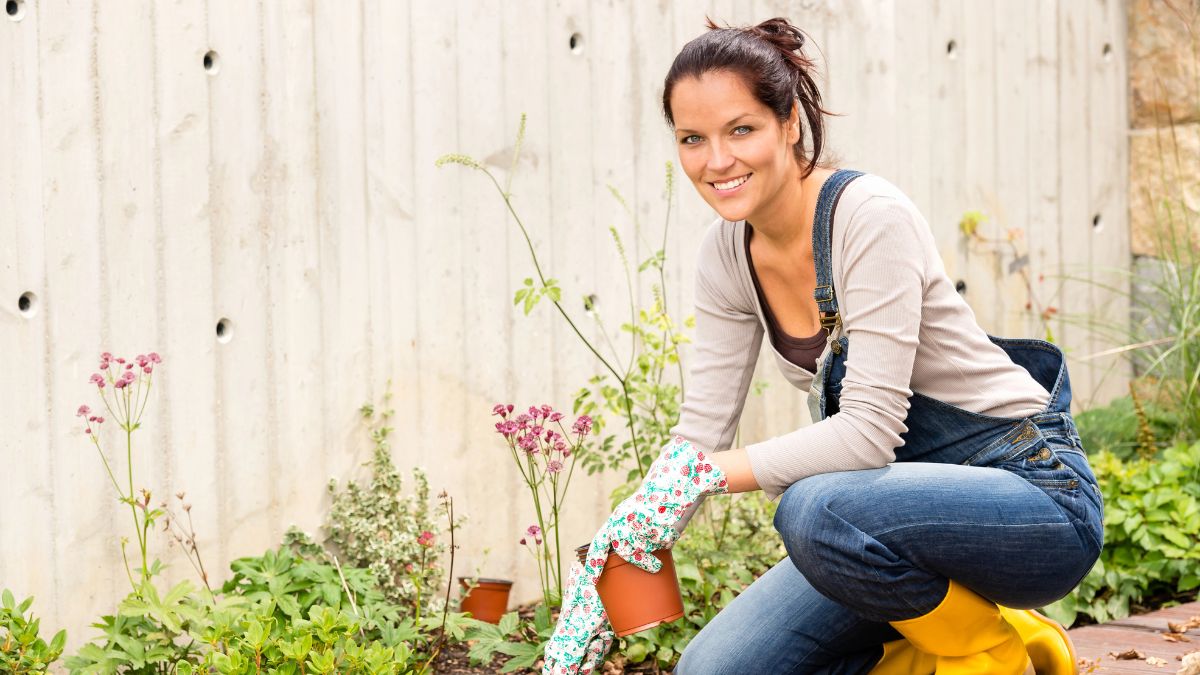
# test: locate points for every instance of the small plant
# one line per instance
(22, 649)
(969, 226)
(638, 447)
(378, 527)
(546, 459)
(1151, 526)
(124, 390)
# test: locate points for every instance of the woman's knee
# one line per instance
(804, 510)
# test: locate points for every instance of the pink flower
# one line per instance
(535, 412)
(582, 426)
(142, 360)
(97, 380)
(99, 420)
(533, 530)
(507, 428)
(146, 369)
(554, 466)
(83, 411)
(559, 446)
(501, 409)
(120, 360)
(523, 420)
(546, 410)
(426, 538)
(555, 416)
(154, 357)
(121, 383)
(522, 541)
(528, 443)
(536, 430)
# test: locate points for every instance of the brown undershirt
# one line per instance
(801, 351)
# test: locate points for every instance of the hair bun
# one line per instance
(782, 33)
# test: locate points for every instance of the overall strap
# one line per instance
(822, 246)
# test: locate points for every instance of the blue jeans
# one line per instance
(868, 547)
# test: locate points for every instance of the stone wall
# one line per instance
(1164, 98)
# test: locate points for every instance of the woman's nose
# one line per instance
(720, 158)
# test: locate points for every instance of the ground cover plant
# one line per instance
(294, 609)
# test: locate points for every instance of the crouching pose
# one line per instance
(942, 489)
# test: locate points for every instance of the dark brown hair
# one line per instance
(770, 60)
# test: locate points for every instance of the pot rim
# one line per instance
(485, 580)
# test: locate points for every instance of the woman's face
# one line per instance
(736, 153)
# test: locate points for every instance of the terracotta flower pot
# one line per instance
(635, 599)
(488, 600)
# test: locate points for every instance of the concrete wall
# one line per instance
(290, 190)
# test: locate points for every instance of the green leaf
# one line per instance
(637, 652)
(508, 623)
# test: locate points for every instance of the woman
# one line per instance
(942, 485)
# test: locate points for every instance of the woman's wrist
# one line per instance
(735, 464)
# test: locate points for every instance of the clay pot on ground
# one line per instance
(635, 599)
(488, 600)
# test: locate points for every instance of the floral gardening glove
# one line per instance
(643, 523)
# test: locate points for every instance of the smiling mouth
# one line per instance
(726, 186)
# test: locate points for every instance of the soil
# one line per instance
(453, 660)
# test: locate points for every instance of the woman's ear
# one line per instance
(792, 132)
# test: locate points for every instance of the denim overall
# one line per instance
(1006, 506)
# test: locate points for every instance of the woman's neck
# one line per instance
(786, 223)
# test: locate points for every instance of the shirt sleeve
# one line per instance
(880, 292)
(727, 340)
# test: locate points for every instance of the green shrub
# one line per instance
(394, 535)
(22, 649)
(1151, 532)
(1114, 428)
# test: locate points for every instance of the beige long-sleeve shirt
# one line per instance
(909, 330)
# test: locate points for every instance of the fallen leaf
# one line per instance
(1184, 627)
(1128, 655)
(1175, 637)
(1155, 661)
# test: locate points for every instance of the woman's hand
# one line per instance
(646, 521)
(643, 523)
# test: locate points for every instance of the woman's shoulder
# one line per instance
(871, 200)
(868, 187)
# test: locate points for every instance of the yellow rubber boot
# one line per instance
(901, 658)
(1045, 639)
(967, 634)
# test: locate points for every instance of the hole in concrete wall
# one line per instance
(27, 304)
(576, 43)
(1107, 51)
(212, 62)
(952, 49)
(961, 287)
(1097, 223)
(15, 9)
(224, 331)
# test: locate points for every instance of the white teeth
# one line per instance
(733, 183)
